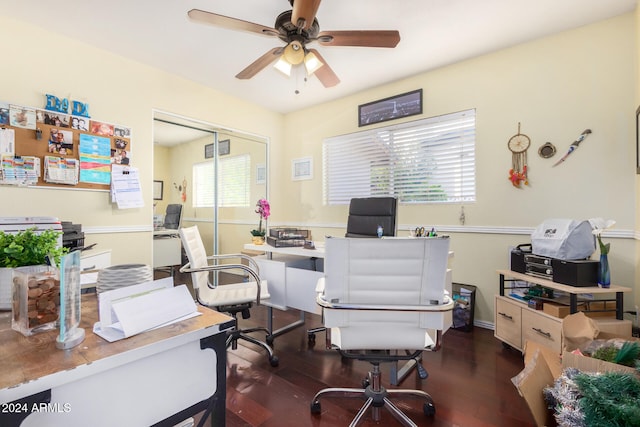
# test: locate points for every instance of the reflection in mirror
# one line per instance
(216, 174)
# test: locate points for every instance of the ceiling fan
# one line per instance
(297, 28)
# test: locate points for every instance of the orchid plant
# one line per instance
(599, 225)
(264, 210)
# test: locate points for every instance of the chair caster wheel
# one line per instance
(315, 407)
(429, 409)
(422, 373)
(274, 361)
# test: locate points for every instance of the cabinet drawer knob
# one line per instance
(541, 332)
(505, 315)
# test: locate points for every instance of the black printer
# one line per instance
(582, 273)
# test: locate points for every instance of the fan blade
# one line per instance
(304, 12)
(222, 21)
(365, 38)
(325, 74)
(259, 64)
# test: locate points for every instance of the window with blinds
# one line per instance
(234, 178)
(424, 161)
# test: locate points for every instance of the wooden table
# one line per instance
(159, 377)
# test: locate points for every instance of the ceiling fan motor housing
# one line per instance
(289, 32)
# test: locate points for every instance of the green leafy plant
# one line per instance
(627, 355)
(29, 248)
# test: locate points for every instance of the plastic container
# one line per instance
(36, 299)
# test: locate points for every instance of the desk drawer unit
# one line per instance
(542, 328)
(508, 322)
(95, 261)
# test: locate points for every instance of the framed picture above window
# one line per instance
(395, 107)
(224, 147)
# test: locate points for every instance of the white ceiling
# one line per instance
(433, 33)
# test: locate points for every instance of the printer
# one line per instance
(559, 251)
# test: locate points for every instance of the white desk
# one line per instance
(157, 378)
(167, 249)
(291, 276)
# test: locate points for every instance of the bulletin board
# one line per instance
(61, 140)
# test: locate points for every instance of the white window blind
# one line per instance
(233, 181)
(424, 161)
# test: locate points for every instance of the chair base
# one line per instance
(242, 334)
(377, 397)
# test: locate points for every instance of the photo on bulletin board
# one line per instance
(4, 113)
(101, 128)
(60, 142)
(79, 123)
(22, 117)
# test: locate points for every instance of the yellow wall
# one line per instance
(120, 91)
(556, 87)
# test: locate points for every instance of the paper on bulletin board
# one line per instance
(95, 159)
(125, 187)
(7, 141)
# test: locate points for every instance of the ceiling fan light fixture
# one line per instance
(283, 66)
(312, 63)
(294, 53)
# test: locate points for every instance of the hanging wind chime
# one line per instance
(518, 145)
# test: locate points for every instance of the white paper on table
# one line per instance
(108, 298)
(145, 308)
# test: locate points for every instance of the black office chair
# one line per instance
(366, 214)
(173, 216)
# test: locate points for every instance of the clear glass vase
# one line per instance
(604, 274)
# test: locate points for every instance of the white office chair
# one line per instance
(230, 298)
(380, 298)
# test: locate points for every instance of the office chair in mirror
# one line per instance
(368, 217)
(231, 298)
(173, 217)
(384, 301)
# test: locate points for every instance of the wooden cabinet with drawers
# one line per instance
(516, 323)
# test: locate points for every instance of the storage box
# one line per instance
(285, 243)
(562, 310)
(284, 233)
(543, 365)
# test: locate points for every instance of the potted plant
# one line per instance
(264, 210)
(29, 248)
(26, 278)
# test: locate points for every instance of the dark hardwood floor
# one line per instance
(469, 380)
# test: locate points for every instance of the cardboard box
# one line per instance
(561, 311)
(543, 365)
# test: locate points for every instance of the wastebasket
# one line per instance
(464, 297)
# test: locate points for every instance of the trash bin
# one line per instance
(464, 297)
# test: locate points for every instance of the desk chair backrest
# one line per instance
(197, 255)
(172, 216)
(365, 214)
(395, 271)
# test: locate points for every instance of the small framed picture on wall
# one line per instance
(302, 169)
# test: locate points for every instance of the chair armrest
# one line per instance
(320, 286)
(219, 267)
(447, 305)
